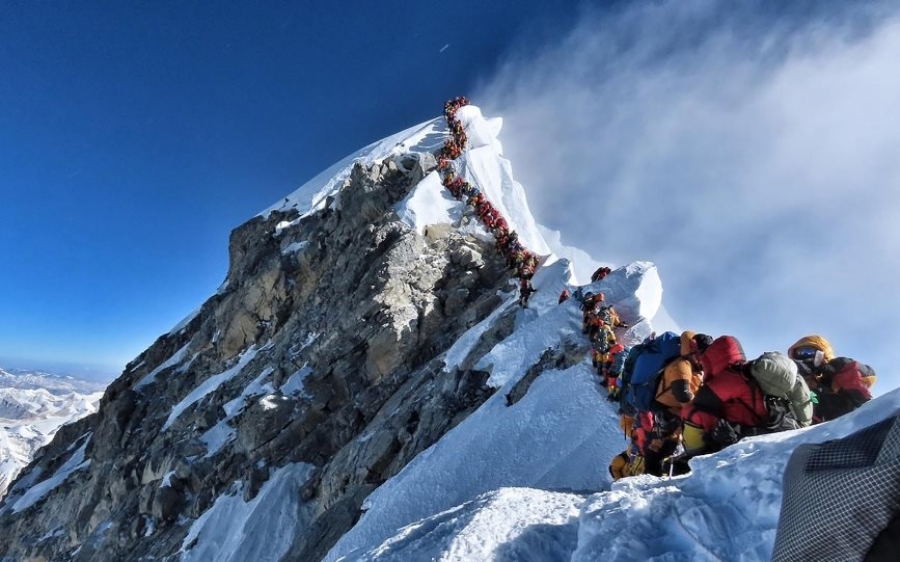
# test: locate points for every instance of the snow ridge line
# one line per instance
(522, 261)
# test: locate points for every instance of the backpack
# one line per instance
(618, 360)
(781, 415)
(640, 393)
(605, 339)
(625, 378)
(587, 303)
(723, 353)
(843, 373)
(609, 315)
(777, 376)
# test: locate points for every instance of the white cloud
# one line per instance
(754, 157)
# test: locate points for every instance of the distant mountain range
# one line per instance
(25, 379)
(95, 372)
(33, 405)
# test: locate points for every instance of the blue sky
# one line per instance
(135, 136)
(746, 149)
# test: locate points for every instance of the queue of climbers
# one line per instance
(679, 395)
(691, 394)
(519, 259)
(599, 321)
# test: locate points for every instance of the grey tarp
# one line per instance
(840, 495)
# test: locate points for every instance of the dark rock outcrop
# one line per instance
(323, 347)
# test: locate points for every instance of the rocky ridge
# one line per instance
(329, 327)
(356, 327)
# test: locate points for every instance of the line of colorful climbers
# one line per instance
(520, 260)
(599, 322)
(682, 396)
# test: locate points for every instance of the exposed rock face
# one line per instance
(323, 347)
(551, 359)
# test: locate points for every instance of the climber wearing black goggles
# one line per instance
(805, 352)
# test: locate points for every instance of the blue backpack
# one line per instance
(648, 366)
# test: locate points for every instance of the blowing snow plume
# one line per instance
(750, 154)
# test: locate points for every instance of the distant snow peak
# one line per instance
(33, 405)
(25, 379)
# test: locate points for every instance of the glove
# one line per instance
(725, 434)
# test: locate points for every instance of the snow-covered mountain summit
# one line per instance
(364, 385)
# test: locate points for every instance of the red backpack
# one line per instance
(846, 374)
(722, 353)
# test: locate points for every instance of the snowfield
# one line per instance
(526, 524)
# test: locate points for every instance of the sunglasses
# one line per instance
(805, 352)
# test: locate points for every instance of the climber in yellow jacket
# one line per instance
(682, 377)
(680, 382)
